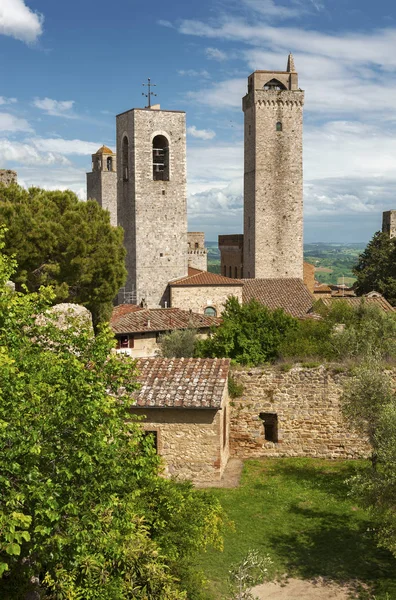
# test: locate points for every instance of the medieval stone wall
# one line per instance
(7, 177)
(389, 223)
(197, 298)
(190, 441)
(102, 187)
(306, 403)
(273, 182)
(153, 213)
(231, 255)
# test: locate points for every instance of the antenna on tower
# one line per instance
(149, 85)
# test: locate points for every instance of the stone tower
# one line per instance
(389, 223)
(273, 180)
(102, 182)
(152, 200)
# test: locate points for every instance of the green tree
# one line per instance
(180, 343)
(61, 241)
(376, 268)
(83, 512)
(249, 333)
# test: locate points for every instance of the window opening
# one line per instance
(279, 126)
(125, 154)
(196, 245)
(274, 84)
(109, 163)
(153, 435)
(236, 272)
(125, 341)
(270, 426)
(224, 427)
(210, 311)
(160, 158)
(225, 271)
(230, 272)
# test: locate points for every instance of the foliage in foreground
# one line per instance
(250, 333)
(369, 402)
(63, 242)
(376, 268)
(83, 512)
(180, 343)
(250, 571)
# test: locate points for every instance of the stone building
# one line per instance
(196, 251)
(273, 177)
(185, 407)
(203, 292)
(152, 203)
(138, 330)
(7, 177)
(231, 255)
(389, 223)
(102, 181)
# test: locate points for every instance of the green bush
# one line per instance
(235, 389)
(178, 344)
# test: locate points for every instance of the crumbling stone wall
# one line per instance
(7, 177)
(307, 405)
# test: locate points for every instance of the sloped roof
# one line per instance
(104, 150)
(355, 301)
(289, 294)
(121, 310)
(197, 277)
(160, 319)
(181, 382)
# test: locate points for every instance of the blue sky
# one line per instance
(67, 68)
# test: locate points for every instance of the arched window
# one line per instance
(225, 271)
(160, 158)
(274, 84)
(279, 126)
(210, 311)
(125, 155)
(109, 163)
(236, 272)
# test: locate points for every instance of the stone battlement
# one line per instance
(7, 177)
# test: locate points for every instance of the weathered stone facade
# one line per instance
(389, 223)
(152, 204)
(302, 404)
(273, 180)
(7, 177)
(197, 253)
(102, 181)
(231, 253)
(309, 276)
(198, 298)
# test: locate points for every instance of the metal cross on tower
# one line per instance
(149, 92)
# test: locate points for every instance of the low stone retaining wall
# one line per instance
(300, 409)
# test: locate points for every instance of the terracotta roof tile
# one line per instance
(121, 310)
(182, 382)
(289, 294)
(204, 278)
(160, 319)
(357, 300)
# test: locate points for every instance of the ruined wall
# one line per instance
(8, 177)
(153, 213)
(197, 298)
(306, 402)
(273, 179)
(231, 255)
(190, 441)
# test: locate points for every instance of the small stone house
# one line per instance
(185, 407)
(204, 292)
(138, 331)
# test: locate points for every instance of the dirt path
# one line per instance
(297, 589)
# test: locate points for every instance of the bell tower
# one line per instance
(102, 181)
(152, 200)
(273, 175)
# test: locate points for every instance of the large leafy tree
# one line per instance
(376, 268)
(249, 333)
(83, 511)
(62, 241)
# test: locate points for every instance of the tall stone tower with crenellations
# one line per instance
(152, 200)
(102, 181)
(273, 180)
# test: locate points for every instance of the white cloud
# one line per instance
(26, 154)
(9, 122)
(215, 54)
(223, 94)
(4, 100)
(194, 73)
(201, 134)
(55, 108)
(19, 21)
(66, 147)
(165, 23)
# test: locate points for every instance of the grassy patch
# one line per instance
(298, 511)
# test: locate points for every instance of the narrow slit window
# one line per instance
(109, 163)
(279, 126)
(125, 153)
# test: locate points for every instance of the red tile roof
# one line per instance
(356, 301)
(160, 319)
(123, 309)
(289, 294)
(182, 382)
(197, 277)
